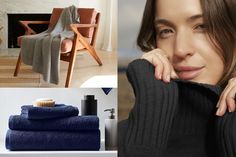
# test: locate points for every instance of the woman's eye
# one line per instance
(200, 27)
(165, 33)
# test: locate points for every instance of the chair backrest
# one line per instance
(87, 16)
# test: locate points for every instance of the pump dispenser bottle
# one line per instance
(111, 131)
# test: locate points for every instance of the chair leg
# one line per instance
(70, 70)
(18, 65)
(92, 51)
(94, 54)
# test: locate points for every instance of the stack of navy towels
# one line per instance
(52, 128)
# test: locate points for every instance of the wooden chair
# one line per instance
(85, 37)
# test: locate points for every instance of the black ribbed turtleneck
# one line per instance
(175, 119)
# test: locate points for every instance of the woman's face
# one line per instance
(181, 34)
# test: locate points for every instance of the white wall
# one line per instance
(46, 6)
(13, 98)
(101, 6)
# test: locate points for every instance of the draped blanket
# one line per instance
(42, 50)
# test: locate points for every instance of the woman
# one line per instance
(194, 41)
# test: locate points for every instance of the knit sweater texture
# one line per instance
(175, 119)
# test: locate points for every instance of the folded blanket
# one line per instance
(47, 140)
(74, 123)
(58, 111)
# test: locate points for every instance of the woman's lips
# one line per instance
(188, 72)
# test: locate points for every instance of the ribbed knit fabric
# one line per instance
(175, 119)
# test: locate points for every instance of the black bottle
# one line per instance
(89, 105)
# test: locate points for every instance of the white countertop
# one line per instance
(101, 153)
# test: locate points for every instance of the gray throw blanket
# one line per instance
(42, 50)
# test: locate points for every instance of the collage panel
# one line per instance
(118, 78)
(176, 74)
(58, 43)
(58, 122)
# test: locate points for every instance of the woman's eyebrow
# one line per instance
(164, 22)
(194, 17)
(169, 23)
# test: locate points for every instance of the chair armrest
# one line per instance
(75, 27)
(79, 37)
(28, 30)
(83, 25)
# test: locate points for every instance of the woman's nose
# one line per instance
(183, 45)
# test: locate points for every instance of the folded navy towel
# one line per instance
(74, 123)
(59, 110)
(49, 140)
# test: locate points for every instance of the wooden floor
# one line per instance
(85, 68)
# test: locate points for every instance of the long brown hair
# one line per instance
(220, 19)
